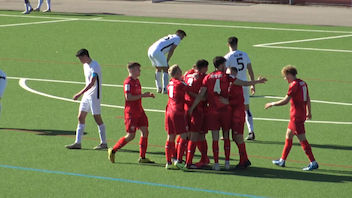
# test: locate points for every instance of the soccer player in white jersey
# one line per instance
(90, 101)
(48, 4)
(157, 55)
(240, 60)
(3, 83)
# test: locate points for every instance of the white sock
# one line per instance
(165, 80)
(48, 4)
(40, 2)
(79, 133)
(158, 80)
(102, 134)
(249, 121)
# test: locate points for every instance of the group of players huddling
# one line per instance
(198, 102)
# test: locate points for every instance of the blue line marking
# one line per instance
(129, 181)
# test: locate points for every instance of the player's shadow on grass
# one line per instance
(281, 173)
(49, 132)
(324, 146)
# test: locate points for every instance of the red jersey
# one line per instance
(236, 94)
(194, 81)
(133, 87)
(298, 91)
(217, 84)
(176, 91)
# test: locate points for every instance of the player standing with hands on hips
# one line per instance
(300, 111)
(156, 54)
(90, 101)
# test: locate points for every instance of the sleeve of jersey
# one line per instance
(177, 41)
(291, 90)
(126, 87)
(204, 82)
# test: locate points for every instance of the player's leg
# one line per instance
(225, 120)
(28, 7)
(119, 144)
(249, 115)
(227, 148)
(215, 146)
(40, 2)
(191, 148)
(165, 79)
(48, 4)
(80, 129)
(241, 145)
(169, 149)
(203, 148)
(181, 149)
(102, 132)
(306, 147)
(143, 145)
(287, 148)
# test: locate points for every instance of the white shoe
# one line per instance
(216, 167)
(227, 165)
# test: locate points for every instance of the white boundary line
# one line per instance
(34, 23)
(306, 48)
(22, 83)
(187, 24)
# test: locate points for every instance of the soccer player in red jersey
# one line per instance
(175, 117)
(236, 100)
(135, 117)
(197, 132)
(300, 111)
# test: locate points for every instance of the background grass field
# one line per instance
(34, 128)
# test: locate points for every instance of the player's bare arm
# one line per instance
(200, 96)
(86, 88)
(130, 97)
(251, 75)
(250, 83)
(278, 103)
(171, 52)
(309, 110)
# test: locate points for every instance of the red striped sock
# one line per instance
(243, 153)
(287, 148)
(122, 142)
(308, 150)
(181, 149)
(169, 150)
(143, 144)
(216, 151)
(191, 148)
(174, 155)
(227, 147)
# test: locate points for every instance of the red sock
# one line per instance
(174, 155)
(227, 147)
(191, 148)
(169, 150)
(143, 144)
(243, 153)
(122, 142)
(181, 149)
(216, 151)
(203, 148)
(287, 148)
(308, 150)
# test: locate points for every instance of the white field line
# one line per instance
(153, 88)
(34, 23)
(188, 24)
(306, 48)
(22, 83)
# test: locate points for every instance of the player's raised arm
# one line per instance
(282, 102)
(249, 83)
(86, 88)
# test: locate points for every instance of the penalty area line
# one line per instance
(128, 181)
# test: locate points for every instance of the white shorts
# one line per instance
(3, 83)
(90, 104)
(246, 95)
(157, 58)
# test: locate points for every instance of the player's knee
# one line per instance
(130, 136)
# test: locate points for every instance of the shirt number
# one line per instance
(217, 88)
(171, 91)
(240, 63)
(190, 81)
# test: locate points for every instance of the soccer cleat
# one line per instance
(159, 90)
(36, 10)
(48, 10)
(251, 136)
(165, 91)
(179, 165)
(216, 167)
(227, 165)
(74, 146)
(169, 166)
(311, 166)
(101, 146)
(145, 161)
(279, 162)
(244, 165)
(111, 155)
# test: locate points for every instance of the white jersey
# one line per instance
(240, 60)
(164, 44)
(2, 74)
(90, 70)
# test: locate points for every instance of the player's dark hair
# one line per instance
(82, 52)
(181, 32)
(289, 69)
(218, 60)
(234, 69)
(232, 41)
(202, 63)
(131, 65)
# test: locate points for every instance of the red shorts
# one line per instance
(132, 123)
(216, 119)
(175, 123)
(238, 119)
(297, 127)
(196, 121)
